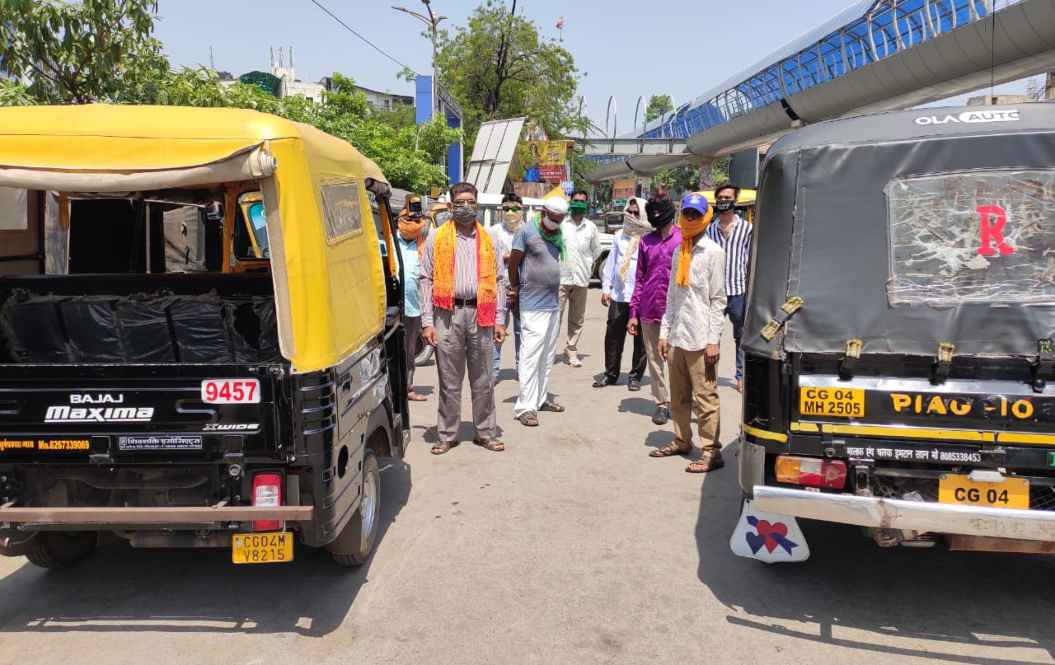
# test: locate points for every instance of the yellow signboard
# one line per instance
(624, 188)
(550, 153)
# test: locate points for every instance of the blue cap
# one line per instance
(695, 201)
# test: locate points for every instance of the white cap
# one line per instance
(557, 205)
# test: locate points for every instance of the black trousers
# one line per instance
(615, 339)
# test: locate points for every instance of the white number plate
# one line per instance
(230, 391)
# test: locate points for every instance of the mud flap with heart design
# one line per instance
(768, 537)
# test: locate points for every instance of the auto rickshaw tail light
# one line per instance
(811, 472)
(267, 493)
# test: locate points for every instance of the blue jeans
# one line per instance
(516, 344)
(735, 309)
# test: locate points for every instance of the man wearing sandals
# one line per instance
(690, 334)
(534, 278)
(463, 307)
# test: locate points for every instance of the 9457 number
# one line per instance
(230, 391)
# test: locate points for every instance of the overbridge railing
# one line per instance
(885, 28)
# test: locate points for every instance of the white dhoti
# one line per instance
(538, 344)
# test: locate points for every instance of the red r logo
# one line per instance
(994, 218)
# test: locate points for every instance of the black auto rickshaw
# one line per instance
(899, 352)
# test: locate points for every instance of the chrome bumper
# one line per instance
(13, 515)
(907, 515)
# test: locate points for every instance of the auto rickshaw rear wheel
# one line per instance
(61, 550)
(353, 547)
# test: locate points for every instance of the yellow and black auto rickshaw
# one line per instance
(200, 343)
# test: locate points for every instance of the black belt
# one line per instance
(465, 302)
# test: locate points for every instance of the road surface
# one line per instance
(571, 547)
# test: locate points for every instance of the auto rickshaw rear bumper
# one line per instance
(917, 516)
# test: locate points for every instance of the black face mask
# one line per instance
(724, 206)
(660, 212)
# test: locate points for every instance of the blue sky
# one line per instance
(624, 48)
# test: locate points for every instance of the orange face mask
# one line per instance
(411, 229)
(690, 228)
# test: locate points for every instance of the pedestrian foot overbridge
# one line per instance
(877, 55)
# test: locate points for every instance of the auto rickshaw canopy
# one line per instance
(909, 232)
(326, 266)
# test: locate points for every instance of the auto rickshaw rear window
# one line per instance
(340, 201)
(972, 237)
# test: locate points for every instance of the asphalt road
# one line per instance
(571, 547)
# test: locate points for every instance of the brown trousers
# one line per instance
(694, 387)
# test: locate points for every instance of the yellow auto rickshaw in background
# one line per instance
(203, 339)
(745, 202)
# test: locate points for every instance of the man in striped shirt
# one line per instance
(733, 234)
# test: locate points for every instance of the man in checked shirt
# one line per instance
(733, 234)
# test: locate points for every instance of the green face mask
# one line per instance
(578, 207)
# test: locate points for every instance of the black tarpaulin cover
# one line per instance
(907, 230)
(140, 329)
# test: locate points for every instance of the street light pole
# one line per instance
(432, 22)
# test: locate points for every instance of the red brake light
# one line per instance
(811, 472)
(267, 491)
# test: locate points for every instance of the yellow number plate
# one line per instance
(274, 547)
(1010, 493)
(832, 402)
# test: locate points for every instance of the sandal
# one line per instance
(414, 397)
(494, 445)
(528, 419)
(670, 450)
(705, 463)
(441, 448)
(552, 407)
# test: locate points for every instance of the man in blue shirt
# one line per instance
(413, 231)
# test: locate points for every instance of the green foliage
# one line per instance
(14, 94)
(499, 66)
(679, 180)
(401, 116)
(687, 178)
(657, 106)
(78, 52)
(408, 156)
(720, 170)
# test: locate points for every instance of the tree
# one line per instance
(679, 180)
(14, 94)
(657, 106)
(408, 155)
(682, 179)
(499, 66)
(77, 53)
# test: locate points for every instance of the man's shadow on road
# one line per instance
(123, 590)
(941, 597)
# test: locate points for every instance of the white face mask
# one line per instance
(512, 220)
(550, 224)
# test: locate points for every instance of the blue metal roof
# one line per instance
(867, 32)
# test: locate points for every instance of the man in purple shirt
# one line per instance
(649, 302)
